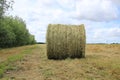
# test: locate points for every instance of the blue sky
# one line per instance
(100, 17)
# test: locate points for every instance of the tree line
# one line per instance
(13, 31)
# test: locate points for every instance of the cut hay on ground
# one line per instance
(65, 41)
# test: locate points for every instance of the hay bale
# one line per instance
(76, 41)
(65, 41)
(56, 42)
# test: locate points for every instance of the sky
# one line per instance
(100, 17)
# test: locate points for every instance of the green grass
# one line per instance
(7, 65)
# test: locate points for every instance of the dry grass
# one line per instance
(102, 62)
(5, 53)
(65, 40)
(76, 41)
(56, 42)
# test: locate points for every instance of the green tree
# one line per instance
(32, 39)
(19, 28)
(4, 6)
(7, 36)
(13, 31)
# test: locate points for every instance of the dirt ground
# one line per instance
(102, 62)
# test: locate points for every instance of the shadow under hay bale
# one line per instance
(65, 41)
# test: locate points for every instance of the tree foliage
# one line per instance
(13, 32)
(4, 6)
(7, 37)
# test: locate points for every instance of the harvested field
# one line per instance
(102, 62)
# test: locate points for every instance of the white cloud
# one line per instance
(96, 10)
(39, 13)
(107, 33)
(116, 1)
(67, 4)
(114, 32)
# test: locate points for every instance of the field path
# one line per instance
(99, 64)
(30, 66)
(5, 53)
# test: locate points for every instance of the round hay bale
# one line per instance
(65, 41)
(56, 42)
(76, 41)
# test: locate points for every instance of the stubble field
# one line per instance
(102, 62)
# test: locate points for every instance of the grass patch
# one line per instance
(7, 65)
(47, 73)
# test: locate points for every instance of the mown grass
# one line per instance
(8, 63)
(101, 63)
